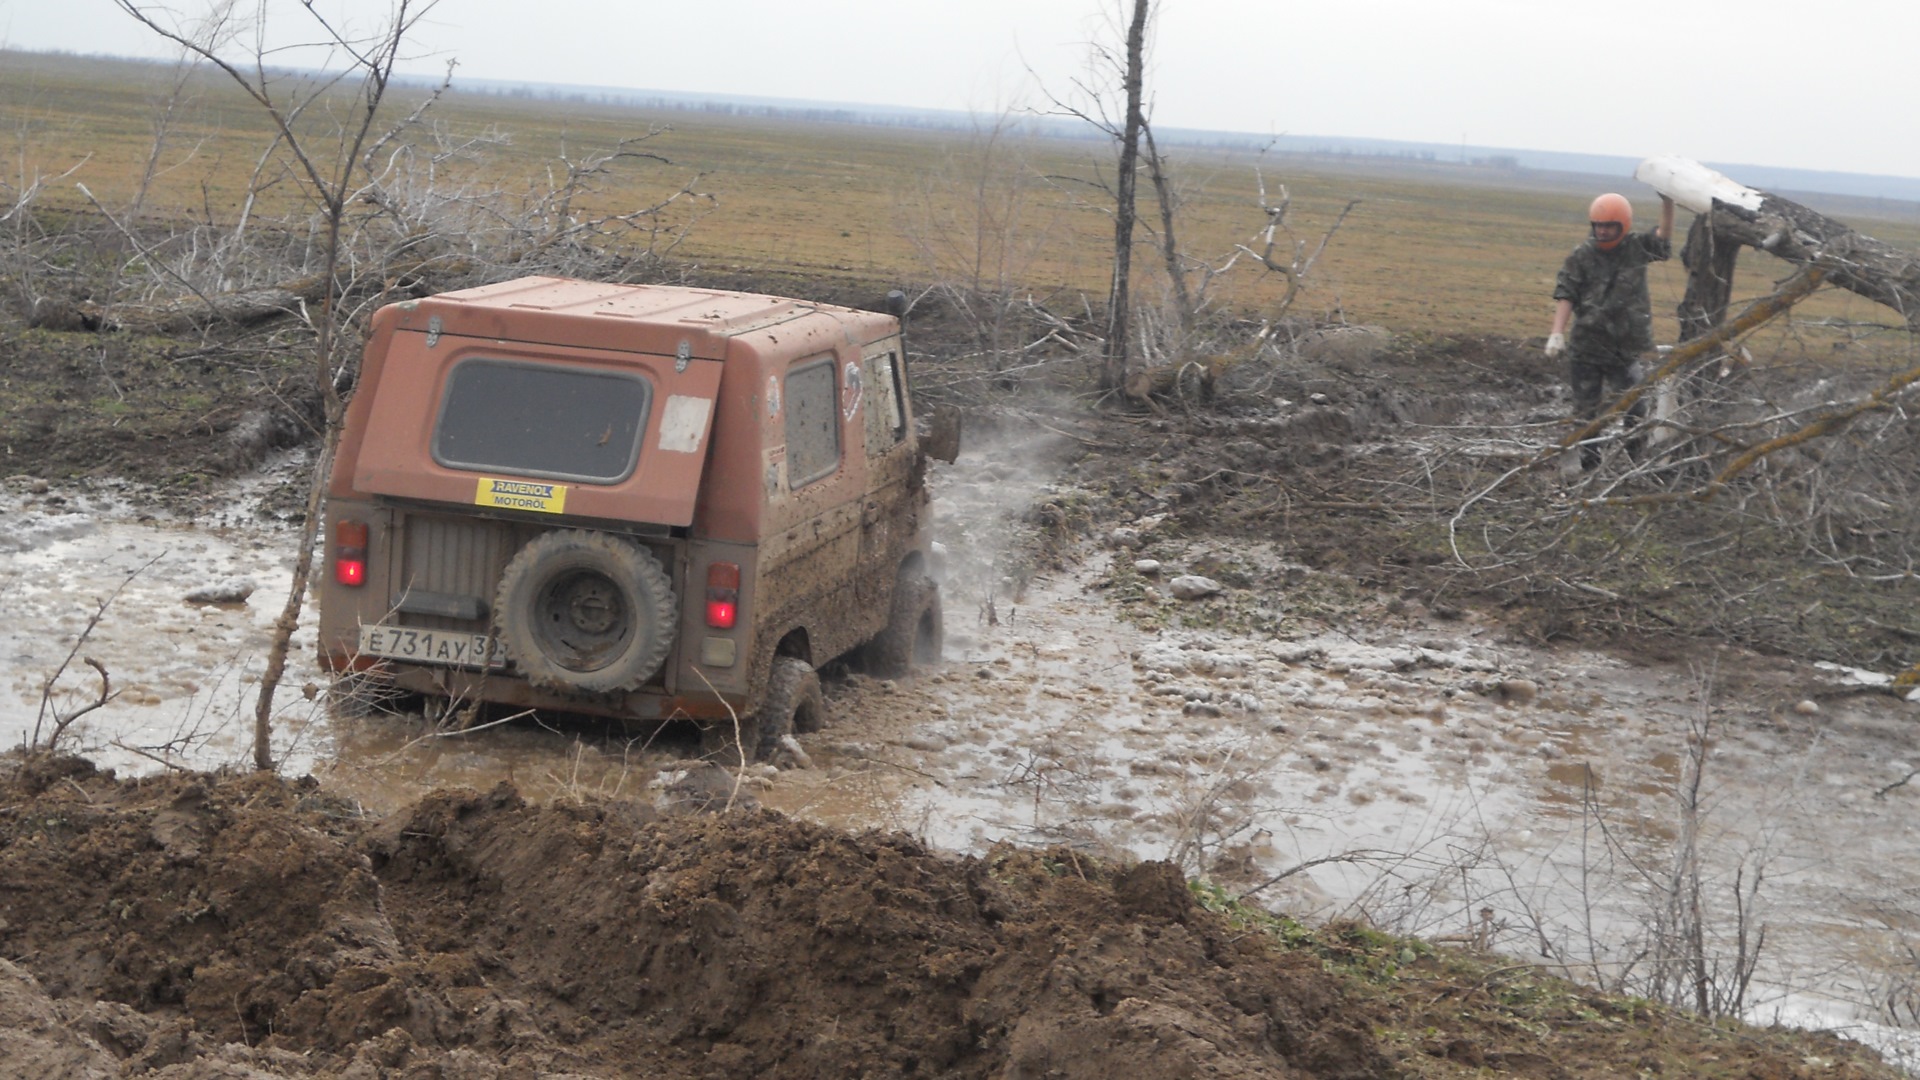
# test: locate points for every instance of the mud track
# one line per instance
(576, 920)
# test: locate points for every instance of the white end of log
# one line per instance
(1695, 186)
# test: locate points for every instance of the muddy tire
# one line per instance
(585, 612)
(915, 631)
(794, 703)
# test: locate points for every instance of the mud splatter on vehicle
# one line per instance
(641, 502)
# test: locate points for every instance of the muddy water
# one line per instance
(1425, 774)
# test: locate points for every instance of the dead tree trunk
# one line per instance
(1730, 216)
(1860, 264)
(1119, 298)
(1170, 248)
(1709, 260)
(1737, 214)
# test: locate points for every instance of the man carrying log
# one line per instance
(1601, 297)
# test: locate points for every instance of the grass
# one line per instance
(1433, 248)
(1444, 1012)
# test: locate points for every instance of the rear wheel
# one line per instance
(916, 629)
(585, 612)
(794, 703)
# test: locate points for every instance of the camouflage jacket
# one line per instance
(1612, 315)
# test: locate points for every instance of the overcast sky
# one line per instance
(1792, 83)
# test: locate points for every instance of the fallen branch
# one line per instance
(1900, 783)
(1343, 857)
(60, 722)
(1795, 289)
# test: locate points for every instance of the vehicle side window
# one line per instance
(886, 418)
(813, 424)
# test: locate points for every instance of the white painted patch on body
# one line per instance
(851, 390)
(683, 424)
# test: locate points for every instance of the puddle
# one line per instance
(1398, 775)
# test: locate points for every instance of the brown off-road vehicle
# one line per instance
(639, 502)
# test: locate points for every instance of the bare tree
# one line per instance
(1113, 373)
(980, 233)
(332, 162)
(1135, 349)
(1275, 247)
(1185, 312)
(1126, 67)
(28, 263)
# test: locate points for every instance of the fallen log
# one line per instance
(191, 314)
(1192, 380)
(250, 307)
(1784, 228)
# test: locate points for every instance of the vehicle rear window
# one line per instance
(570, 423)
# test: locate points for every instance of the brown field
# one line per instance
(1434, 248)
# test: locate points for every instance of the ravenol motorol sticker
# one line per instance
(521, 495)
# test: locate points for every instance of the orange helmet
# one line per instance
(1610, 209)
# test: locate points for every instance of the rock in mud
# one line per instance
(703, 789)
(1518, 691)
(1146, 567)
(1245, 703)
(229, 591)
(1193, 587)
(1126, 539)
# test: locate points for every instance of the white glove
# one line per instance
(1556, 344)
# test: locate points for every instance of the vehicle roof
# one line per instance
(568, 311)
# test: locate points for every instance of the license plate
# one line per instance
(451, 647)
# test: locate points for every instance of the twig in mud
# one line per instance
(1609, 594)
(1900, 783)
(1902, 631)
(1481, 984)
(107, 693)
(1082, 439)
(149, 755)
(61, 723)
(522, 714)
(937, 782)
(739, 743)
(1364, 855)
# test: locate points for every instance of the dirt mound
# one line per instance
(194, 924)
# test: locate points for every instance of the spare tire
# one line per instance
(586, 612)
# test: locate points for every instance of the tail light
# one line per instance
(350, 553)
(723, 594)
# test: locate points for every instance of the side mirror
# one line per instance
(896, 304)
